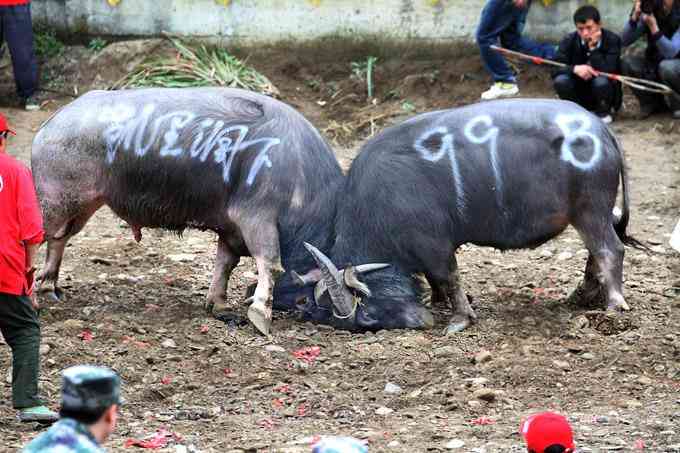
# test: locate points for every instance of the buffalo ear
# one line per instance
(352, 281)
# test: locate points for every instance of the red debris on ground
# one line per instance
(159, 440)
(482, 421)
(308, 354)
(86, 335)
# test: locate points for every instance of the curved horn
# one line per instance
(319, 289)
(340, 296)
(351, 280)
(363, 268)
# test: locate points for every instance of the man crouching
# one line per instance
(89, 409)
(588, 51)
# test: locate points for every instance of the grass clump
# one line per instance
(197, 66)
(47, 45)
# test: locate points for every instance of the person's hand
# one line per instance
(650, 21)
(34, 299)
(594, 39)
(584, 71)
(637, 9)
(519, 3)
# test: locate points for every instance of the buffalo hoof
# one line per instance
(261, 316)
(617, 304)
(53, 295)
(457, 325)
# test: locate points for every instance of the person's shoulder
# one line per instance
(11, 163)
(610, 36)
(62, 438)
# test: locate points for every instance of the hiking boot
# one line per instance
(31, 104)
(40, 414)
(500, 90)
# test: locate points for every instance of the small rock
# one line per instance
(383, 411)
(100, 260)
(445, 351)
(564, 256)
(644, 380)
(474, 404)
(561, 364)
(547, 253)
(73, 325)
(182, 257)
(169, 343)
(477, 382)
(392, 389)
(44, 349)
(455, 444)
(588, 356)
(394, 444)
(274, 348)
(483, 356)
(485, 394)
(580, 322)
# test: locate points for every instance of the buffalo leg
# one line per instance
(606, 254)
(589, 292)
(262, 240)
(56, 243)
(225, 262)
(463, 314)
(439, 297)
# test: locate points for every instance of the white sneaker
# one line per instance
(500, 90)
(607, 119)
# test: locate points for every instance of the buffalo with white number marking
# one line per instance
(508, 174)
(241, 164)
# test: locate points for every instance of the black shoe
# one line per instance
(676, 115)
(31, 103)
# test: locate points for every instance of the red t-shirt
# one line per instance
(13, 2)
(20, 223)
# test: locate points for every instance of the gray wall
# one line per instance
(273, 20)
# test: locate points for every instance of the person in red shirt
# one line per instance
(17, 29)
(21, 233)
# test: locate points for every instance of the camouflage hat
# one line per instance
(89, 388)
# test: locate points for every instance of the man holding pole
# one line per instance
(503, 20)
(588, 51)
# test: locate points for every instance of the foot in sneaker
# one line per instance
(40, 414)
(31, 104)
(500, 90)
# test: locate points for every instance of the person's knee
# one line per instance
(563, 83)
(669, 69)
(601, 83)
(485, 39)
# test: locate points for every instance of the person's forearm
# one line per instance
(31, 253)
(669, 48)
(631, 32)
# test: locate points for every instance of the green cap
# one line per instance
(89, 388)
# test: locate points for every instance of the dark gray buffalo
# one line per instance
(243, 165)
(507, 174)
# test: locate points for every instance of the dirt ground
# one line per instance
(221, 388)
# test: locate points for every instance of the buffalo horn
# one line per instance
(340, 296)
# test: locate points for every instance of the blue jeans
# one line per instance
(502, 21)
(17, 30)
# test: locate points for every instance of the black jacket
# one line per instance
(606, 58)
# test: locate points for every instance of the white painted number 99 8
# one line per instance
(577, 127)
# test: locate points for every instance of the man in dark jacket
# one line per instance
(588, 51)
(661, 62)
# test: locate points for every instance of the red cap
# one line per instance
(3, 125)
(546, 429)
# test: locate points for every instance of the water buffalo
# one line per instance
(507, 174)
(244, 165)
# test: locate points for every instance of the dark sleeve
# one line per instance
(564, 56)
(607, 58)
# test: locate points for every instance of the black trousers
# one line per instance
(597, 94)
(667, 72)
(20, 327)
(16, 29)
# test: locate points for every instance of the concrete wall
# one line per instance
(272, 20)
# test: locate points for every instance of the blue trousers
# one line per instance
(16, 29)
(502, 22)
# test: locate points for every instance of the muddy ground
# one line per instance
(222, 388)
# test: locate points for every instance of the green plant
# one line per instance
(364, 71)
(97, 44)
(46, 44)
(408, 107)
(197, 66)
